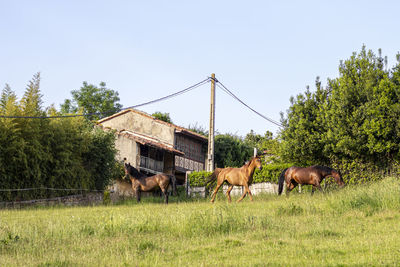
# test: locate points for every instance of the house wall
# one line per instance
(140, 123)
(127, 148)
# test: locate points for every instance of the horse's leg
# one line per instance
(165, 196)
(250, 195)
(313, 189)
(317, 184)
(214, 194)
(290, 186)
(138, 195)
(228, 193)
(246, 190)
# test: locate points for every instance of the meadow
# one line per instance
(353, 226)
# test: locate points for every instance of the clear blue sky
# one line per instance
(263, 51)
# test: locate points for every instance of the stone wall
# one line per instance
(258, 188)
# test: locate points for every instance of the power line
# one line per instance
(226, 90)
(173, 95)
(219, 84)
(110, 112)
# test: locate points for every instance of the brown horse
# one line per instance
(142, 183)
(310, 176)
(235, 176)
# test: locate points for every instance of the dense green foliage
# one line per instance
(92, 99)
(355, 226)
(355, 118)
(231, 151)
(63, 153)
(198, 178)
(162, 116)
(269, 173)
(197, 128)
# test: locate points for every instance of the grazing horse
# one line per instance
(235, 176)
(141, 182)
(310, 176)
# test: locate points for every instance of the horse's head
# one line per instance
(257, 162)
(338, 178)
(127, 168)
(132, 172)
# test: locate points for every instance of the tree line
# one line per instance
(351, 124)
(64, 153)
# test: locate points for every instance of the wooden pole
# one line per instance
(210, 154)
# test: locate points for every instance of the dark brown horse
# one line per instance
(310, 176)
(142, 183)
(236, 176)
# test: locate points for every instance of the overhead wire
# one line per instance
(190, 88)
(194, 86)
(226, 90)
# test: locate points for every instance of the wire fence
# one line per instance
(49, 188)
(32, 194)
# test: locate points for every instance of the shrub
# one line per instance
(198, 178)
(270, 172)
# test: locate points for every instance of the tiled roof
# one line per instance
(178, 129)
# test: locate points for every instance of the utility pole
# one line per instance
(210, 154)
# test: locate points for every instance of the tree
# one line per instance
(304, 127)
(6, 95)
(354, 118)
(266, 143)
(198, 129)
(231, 151)
(90, 99)
(162, 116)
(56, 153)
(360, 110)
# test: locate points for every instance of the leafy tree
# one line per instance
(198, 129)
(231, 151)
(92, 99)
(162, 116)
(304, 127)
(57, 153)
(266, 143)
(361, 110)
(6, 95)
(353, 119)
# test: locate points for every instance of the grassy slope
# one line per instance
(353, 226)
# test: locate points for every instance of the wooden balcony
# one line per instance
(151, 165)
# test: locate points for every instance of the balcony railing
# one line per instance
(151, 164)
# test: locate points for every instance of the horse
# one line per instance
(235, 176)
(143, 183)
(310, 176)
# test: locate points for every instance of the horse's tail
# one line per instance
(172, 183)
(281, 180)
(213, 176)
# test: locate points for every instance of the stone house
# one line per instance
(154, 146)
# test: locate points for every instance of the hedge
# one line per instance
(269, 173)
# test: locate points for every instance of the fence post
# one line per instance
(187, 184)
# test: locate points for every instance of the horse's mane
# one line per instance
(324, 168)
(135, 173)
(247, 164)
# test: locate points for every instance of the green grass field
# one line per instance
(355, 226)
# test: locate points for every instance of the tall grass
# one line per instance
(352, 226)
